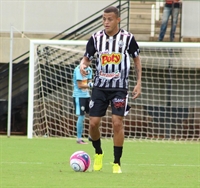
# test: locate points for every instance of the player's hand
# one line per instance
(83, 69)
(85, 62)
(137, 91)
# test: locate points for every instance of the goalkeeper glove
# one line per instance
(90, 84)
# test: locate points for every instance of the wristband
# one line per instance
(90, 84)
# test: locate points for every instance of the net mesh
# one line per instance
(168, 108)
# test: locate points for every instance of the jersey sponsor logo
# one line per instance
(110, 75)
(119, 103)
(84, 82)
(113, 58)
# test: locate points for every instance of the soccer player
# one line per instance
(81, 97)
(114, 47)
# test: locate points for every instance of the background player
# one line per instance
(81, 97)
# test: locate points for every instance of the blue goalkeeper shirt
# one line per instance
(77, 76)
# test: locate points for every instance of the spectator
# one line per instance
(172, 7)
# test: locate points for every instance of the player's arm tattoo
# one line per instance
(138, 69)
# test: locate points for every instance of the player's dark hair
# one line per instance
(112, 9)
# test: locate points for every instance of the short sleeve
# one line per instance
(133, 49)
(90, 74)
(90, 49)
(78, 74)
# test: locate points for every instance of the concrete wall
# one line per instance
(20, 46)
(191, 19)
(46, 16)
(44, 19)
(40, 19)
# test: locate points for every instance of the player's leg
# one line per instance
(79, 111)
(175, 20)
(95, 134)
(87, 111)
(119, 110)
(165, 18)
(79, 127)
(98, 106)
(96, 142)
(118, 141)
(118, 136)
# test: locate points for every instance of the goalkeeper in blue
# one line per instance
(113, 47)
(81, 98)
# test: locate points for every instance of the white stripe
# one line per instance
(126, 112)
(31, 163)
(124, 164)
(171, 165)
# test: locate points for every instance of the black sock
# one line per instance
(117, 154)
(97, 145)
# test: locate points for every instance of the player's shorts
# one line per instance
(81, 105)
(101, 99)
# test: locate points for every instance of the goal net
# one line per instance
(168, 108)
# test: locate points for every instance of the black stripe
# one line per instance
(121, 39)
(127, 42)
(107, 48)
(125, 59)
(101, 41)
(117, 47)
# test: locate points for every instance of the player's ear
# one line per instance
(118, 19)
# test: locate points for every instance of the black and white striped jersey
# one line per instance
(113, 58)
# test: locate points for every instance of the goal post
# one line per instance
(32, 66)
(168, 108)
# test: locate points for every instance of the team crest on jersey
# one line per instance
(113, 58)
(91, 104)
(121, 43)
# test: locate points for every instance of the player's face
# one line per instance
(110, 23)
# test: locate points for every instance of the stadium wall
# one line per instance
(39, 19)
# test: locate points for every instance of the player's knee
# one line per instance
(94, 124)
(117, 126)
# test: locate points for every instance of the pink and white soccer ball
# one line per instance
(80, 161)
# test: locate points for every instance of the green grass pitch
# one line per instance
(44, 163)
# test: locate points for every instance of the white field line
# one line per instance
(124, 164)
(171, 165)
(29, 163)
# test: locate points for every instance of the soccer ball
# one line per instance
(80, 161)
